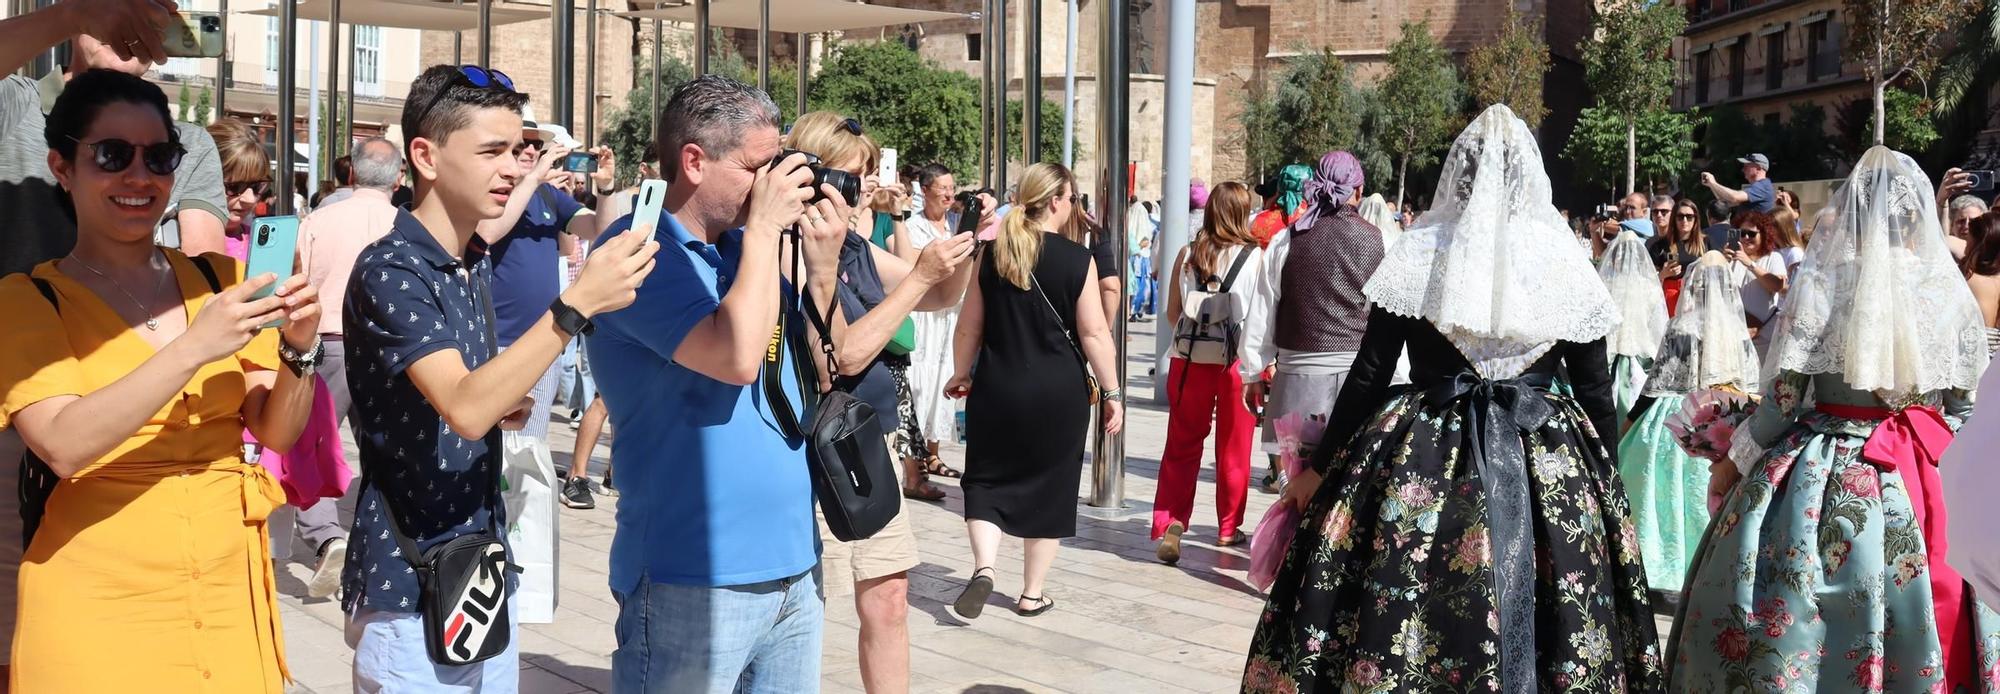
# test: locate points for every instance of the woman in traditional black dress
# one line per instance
(1471, 533)
(1029, 321)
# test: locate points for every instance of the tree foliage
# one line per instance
(1596, 148)
(1910, 130)
(186, 103)
(204, 106)
(1050, 135)
(1419, 101)
(1311, 109)
(1629, 65)
(1799, 147)
(1509, 69)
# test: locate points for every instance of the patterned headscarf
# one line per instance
(1338, 177)
(1291, 187)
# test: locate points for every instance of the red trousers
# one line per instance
(1204, 393)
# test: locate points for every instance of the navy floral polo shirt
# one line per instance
(406, 298)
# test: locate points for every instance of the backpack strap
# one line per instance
(36, 481)
(1235, 268)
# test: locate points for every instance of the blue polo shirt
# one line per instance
(710, 492)
(525, 263)
(406, 299)
(1763, 197)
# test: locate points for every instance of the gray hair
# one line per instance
(378, 164)
(1962, 202)
(712, 112)
(1659, 200)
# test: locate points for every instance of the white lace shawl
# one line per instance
(1628, 273)
(1878, 300)
(1708, 343)
(1492, 264)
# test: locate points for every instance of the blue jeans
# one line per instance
(748, 639)
(576, 387)
(389, 656)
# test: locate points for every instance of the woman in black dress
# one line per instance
(1028, 401)
(1471, 533)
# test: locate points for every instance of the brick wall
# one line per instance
(525, 52)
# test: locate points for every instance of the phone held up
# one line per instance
(580, 162)
(274, 244)
(1981, 180)
(652, 197)
(193, 35)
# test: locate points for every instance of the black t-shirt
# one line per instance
(1660, 248)
(1105, 252)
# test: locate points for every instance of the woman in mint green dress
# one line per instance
(1825, 568)
(1628, 272)
(1707, 346)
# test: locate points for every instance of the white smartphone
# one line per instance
(888, 175)
(652, 196)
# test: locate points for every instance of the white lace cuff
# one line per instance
(1744, 451)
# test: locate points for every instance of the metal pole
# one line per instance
(1031, 83)
(288, 62)
(485, 33)
(986, 94)
(347, 123)
(805, 70)
(590, 74)
(333, 84)
(1176, 142)
(563, 25)
(1107, 462)
(764, 46)
(458, 47)
(1000, 99)
(1069, 87)
(222, 66)
(700, 37)
(653, 119)
(312, 110)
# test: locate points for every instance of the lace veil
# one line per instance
(1376, 211)
(1708, 343)
(1493, 265)
(1878, 300)
(1628, 273)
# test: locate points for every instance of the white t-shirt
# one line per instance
(1758, 301)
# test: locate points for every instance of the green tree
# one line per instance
(905, 100)
(1628, 64)
(1050, 134)
(1509, 69)
(185, 100)
(1599, 144)
(1910, 130)
(1257, 133)
(204, 106)
(1894, 38)
(1418, 99)
(1799, 147)
(1313, 109)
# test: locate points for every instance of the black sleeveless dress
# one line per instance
(1029, 412)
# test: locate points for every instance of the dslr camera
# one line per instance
(848, 184)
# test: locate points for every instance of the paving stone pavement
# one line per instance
(1124, 622)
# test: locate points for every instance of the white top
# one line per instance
(1757, 300)
(1249, 295)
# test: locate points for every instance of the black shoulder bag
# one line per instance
(852, 475)
(37, 480)
(462, 582)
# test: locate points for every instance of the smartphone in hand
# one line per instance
(580, 162)
(274, 243)
(646, 208)
(193, 35)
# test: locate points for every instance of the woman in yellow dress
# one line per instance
(126, 370)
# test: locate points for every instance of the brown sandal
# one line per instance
(935, 466)
(926, 492)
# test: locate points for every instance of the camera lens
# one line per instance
(263, 234)
(848, 184)
(209, 24)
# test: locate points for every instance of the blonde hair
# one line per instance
(824, 134)
(241, 151)
(1020, 244)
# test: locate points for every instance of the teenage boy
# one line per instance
(430, 395)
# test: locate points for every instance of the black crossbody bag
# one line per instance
(462, 583)
(852, 475)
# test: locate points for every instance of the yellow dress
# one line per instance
(152, 570)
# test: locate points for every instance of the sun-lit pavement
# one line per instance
(1123, 622)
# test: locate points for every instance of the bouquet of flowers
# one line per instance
(1274, 533)
(1708, 419)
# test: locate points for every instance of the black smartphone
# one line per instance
(968, 220)
(1734, 241)
(1982, 181)
(580, 162)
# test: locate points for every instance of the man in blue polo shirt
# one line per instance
(714, 561)
(1757, 194)
(430, 395)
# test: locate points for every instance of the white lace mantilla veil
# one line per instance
(1376, 211)
(1493, 265)
(1628, 273)
(1708, 343)
(1878, 300)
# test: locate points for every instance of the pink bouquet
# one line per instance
(1274, 533)
(1707, 420)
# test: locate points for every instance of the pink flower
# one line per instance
(1339, 522)
(1908, 568)
(1415, 495)
(1364, 672)
(1732, 644)
(1262, 676)
(1861, 480)
(1473, 550)
(1312, 645)
(1869, 673)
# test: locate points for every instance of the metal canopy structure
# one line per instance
(408, 14)
(797, 16)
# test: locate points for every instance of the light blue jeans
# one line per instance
(750, 639)
(390, 657)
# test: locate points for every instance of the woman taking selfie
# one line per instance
(133, 376)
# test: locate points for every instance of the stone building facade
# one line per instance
(525, 51)
(1763, 56)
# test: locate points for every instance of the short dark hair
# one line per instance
(712, 112)
(444, 99)
(343, 170)
(930, 173)
(86, 95)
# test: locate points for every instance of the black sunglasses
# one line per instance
(478, 77)
(852, 126)
(1660, 211)
(235, 188)
(114, 155)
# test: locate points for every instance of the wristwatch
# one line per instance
(1112, 394)
(903, 216)
(570, 320)
(301, 363)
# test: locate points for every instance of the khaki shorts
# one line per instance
(892, 550)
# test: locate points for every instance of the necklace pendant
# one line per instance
(152, 324)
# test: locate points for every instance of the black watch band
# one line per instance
(569, 320)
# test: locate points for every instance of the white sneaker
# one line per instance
(326, 575)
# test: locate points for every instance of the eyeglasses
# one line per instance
(235, 188)
(478, 77)
(1750, 233)
(852, 126)
(115, 155)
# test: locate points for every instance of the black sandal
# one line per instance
(1048, 603)
(935, 466)
(972, 600)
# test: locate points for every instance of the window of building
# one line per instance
(270, 50)
(1702, 75)
(973, 50)
(1736, 70)
(1774, 61)
(1822, 51)
(368, 60)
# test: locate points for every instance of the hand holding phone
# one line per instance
(274, 247)
(193, 35)
(646, 210)
(1981, 181)
(580, 162)
(887, 176)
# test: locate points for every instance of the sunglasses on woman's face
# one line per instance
(115, 155)
(235, 188)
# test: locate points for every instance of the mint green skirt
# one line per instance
(1669, 494)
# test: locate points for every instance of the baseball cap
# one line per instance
(1760, 160)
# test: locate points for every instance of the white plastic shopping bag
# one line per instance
(529, 491)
